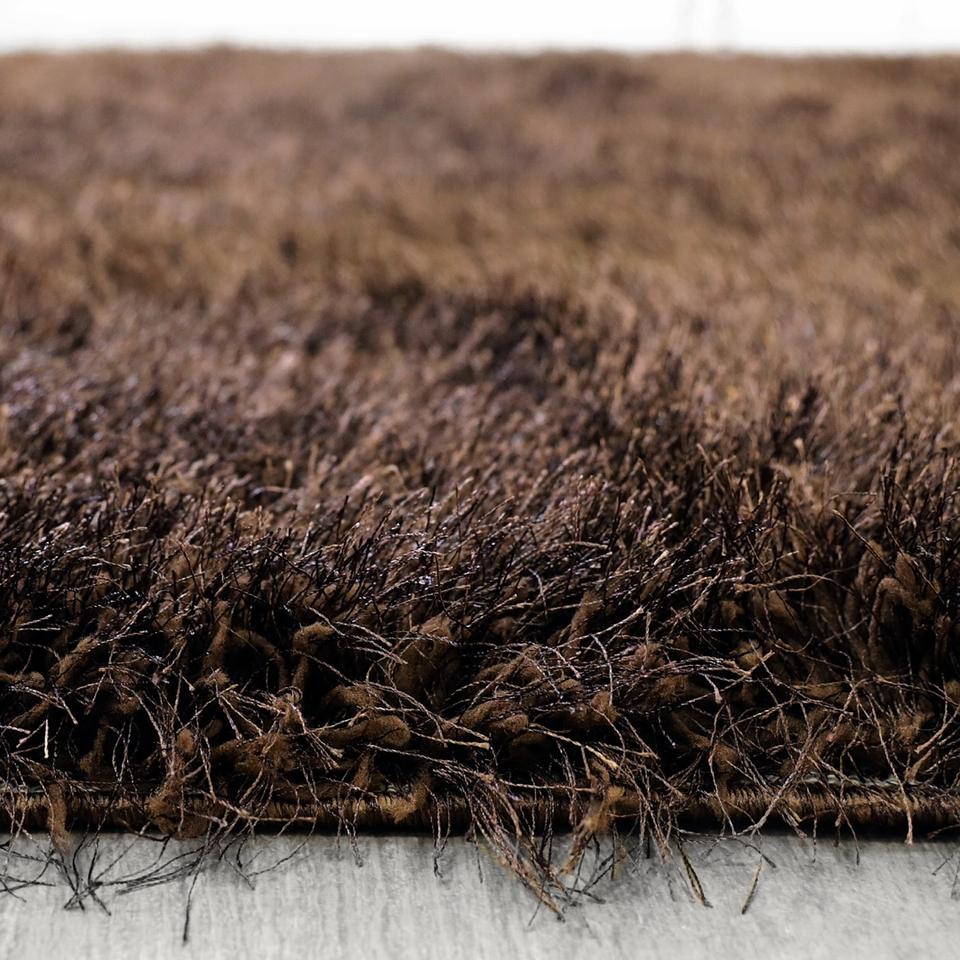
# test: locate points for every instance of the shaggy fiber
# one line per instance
(498, 444)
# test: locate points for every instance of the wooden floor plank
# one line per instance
(384, 899)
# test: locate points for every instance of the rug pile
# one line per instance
(479, 443)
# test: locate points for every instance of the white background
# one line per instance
(774, 25)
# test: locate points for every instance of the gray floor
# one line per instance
(809, 901)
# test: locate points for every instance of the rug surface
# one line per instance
(479, 442)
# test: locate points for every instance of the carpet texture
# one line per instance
(484, 443)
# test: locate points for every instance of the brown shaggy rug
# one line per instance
(479, 443)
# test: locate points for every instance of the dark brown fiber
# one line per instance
(479, 443)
